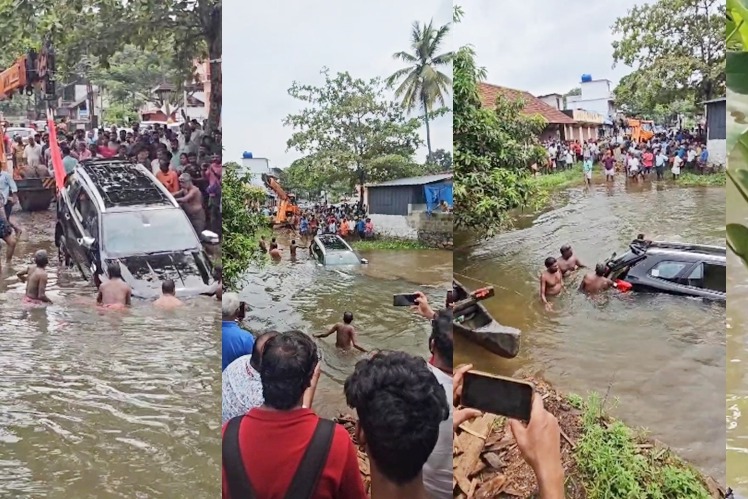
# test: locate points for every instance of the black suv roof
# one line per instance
(687, 251)
(122, 183)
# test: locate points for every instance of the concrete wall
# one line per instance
(717, 152)
(434, 230)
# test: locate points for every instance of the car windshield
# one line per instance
(341, 257)
(147, 231)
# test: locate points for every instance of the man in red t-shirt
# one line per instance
(400, 406)
(273, 438)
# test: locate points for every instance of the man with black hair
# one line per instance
(241, 386)
(114, 292)
(168, 298)
(400, 407)
(438, 470)
(346, 334)
(283, 449)
(35, 278)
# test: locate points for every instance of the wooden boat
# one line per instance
(36, 194)
(474, 322)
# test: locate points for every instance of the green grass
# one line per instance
(614, 463)
(688, 179)
(387, 244)
(562, 179)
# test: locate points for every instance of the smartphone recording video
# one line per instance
(498, 395)
(404, 300)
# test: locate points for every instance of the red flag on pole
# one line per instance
(54, 149)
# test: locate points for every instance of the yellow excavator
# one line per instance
(641, 130)
(287, 206)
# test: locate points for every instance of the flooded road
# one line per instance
(661, 356)
(303, 295)
(104, 404)
(737, 355)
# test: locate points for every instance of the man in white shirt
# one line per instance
(33, 153)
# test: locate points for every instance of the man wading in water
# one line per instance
(168, 300)
(346, 334)
(551, 282)
(35, 278)
(595, 282)
(568, 261)
(114, 293)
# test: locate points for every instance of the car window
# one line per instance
(668, 270)
(715, 277)
(696, 277)
(86, 214)
(147, 231)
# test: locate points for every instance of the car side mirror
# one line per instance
(210, 237)
(364, 261)
(87, 242)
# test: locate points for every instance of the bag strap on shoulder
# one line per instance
(306, 478)
(236, 475)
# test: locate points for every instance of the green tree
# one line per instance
(131, 75)
(573, 92)
(421, 84)
(241, 226)
(100, 28)
(349, 125)
(493, 149)
(678, 48)
(441, 160)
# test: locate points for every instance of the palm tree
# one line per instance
(421, 85)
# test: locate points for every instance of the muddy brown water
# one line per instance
(103, 405)
(737, 355)
(659, 359)
(304, 295)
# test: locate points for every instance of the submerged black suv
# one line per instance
(116, 212)
(682, 269)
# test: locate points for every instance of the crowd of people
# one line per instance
(184, 158)
(407, 408)
(676, 151)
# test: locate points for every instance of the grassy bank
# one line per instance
(564, 179)
(386, 244)
(602, 458)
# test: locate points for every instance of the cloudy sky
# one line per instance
(268, 45)
(542, 46)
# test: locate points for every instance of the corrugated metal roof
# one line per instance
(425, 179)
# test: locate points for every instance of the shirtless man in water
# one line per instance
(191, 200)
(568, 261)
(35, 278)
(551, 281)
(595, 282)
(114, 293)
(275, 253)
(168, 300)
(346, 334)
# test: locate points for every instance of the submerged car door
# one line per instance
(84, 215)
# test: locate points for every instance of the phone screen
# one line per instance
(497, 395)
(405, 300)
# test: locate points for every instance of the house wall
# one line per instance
(433, 230)
(581, 132)
(394, 200)
(555, 101)
(551, 132)
(717, 151)
(601, 106)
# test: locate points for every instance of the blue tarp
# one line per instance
(436, 193)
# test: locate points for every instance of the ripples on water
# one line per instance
(102, 404)
(303, 295)
(737, 358)
(661, 356)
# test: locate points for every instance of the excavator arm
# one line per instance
(286, 202)
(33, 70)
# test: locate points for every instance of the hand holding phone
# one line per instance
(498, 395)
(404, 300)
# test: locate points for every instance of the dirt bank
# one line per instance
(602, 458)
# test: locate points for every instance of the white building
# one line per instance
(554, 100)
(256, 167)
(716, 130)
(596, 96)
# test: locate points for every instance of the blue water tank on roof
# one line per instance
(586, 78)
(247, 155)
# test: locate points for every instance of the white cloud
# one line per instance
(543, 46)
(268, 45)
